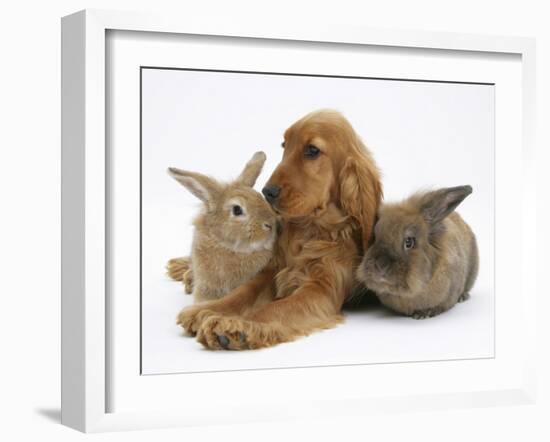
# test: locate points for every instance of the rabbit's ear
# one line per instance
(203, 187)
(252, 169)
(437, 205)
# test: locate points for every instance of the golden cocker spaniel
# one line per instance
(326, 190)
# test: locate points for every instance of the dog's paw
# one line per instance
(233, 333)
(224, 333)
(192, 317)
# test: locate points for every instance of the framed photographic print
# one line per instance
(323, 201)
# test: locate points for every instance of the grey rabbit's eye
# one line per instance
(311, 151)
(409, 242)
(237, 210)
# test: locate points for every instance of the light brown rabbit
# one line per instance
(234, 233)
(424, 258)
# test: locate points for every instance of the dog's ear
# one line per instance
(252, 170)
(361, 191)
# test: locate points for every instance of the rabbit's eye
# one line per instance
(311, 151)
(409, 242)
(237, 210)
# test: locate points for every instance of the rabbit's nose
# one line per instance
(268, 226)
(381, 264)
(271, 193)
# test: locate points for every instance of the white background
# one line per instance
(422, 135)
(29, 178)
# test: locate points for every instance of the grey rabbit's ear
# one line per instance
(203, 187)
(252, 170)
(437, 205)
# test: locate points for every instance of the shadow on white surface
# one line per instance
(50, 414)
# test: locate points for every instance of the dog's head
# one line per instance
(324, 161)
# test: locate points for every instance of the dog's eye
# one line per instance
(237, 210)
(409, 242)
(311, 151)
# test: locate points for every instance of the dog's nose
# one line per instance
(271, 193)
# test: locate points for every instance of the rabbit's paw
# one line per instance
(233, 333)
(464, 297)
(192, 317)
(177, 267)
(188, 281)
(426, 313)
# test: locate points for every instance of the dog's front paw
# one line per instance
(192, 317)
(233, 333)
(223, 333)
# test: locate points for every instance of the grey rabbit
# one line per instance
(424, 257)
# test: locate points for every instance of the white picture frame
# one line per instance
(86, 357)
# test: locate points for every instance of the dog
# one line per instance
(326, 191)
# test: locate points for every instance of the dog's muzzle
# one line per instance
(271, 193)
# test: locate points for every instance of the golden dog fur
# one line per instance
(328, 206)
